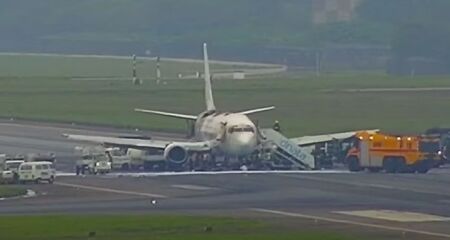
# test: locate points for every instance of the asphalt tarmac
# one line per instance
(382, 206)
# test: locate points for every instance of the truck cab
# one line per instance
(10, 171)
(392, 153)
(94, 164)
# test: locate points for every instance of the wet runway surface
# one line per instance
(384, 204)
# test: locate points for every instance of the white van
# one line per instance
(36, 172)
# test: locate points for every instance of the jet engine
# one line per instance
(176, 154)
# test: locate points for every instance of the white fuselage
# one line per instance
(237, 133)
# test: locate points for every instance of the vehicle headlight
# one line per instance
(439, 152)
(97, 164)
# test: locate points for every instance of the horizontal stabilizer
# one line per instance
(167, 114)
(258, 110)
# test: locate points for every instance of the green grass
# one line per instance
(7, 191)
(147, 227)
(304, 103)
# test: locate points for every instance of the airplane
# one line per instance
(228, 133)
(231, 134)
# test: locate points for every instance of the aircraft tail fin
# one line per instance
(208, 88)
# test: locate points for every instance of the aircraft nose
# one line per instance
(247, 142)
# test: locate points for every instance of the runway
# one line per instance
(412, 206)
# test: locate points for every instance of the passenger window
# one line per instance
(45, 167)
(25, 167)
(38, 167)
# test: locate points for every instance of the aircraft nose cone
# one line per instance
(246, 143)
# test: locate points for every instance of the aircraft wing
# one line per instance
(309, 140)
(142, 143)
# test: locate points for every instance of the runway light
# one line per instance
(399, 138)
(409, 139)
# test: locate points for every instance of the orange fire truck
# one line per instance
(394, 154)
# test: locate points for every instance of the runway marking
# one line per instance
(397, 216)
(110, 190)
(372, 185)
(349, 222)
(65, 174)
(193, 187)
(157, 174)
(376, 90)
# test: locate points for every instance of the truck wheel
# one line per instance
(16, 178)
(51, 180)
(125, 167)
(389, 165)
(353, 164)
(401, 165)
(424, 166)
(37, 181)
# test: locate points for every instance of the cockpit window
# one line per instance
(241, 129)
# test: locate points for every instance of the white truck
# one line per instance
(120, 160)
(10, 171)
(93, 160)
(9, 168)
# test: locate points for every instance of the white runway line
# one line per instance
(370, 185)
(376, 90)
(157, 174)
(349, 222)
(65, 174)
(396, 216)
(193, 187)
(110, 190)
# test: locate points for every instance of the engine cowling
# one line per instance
(176, 154)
